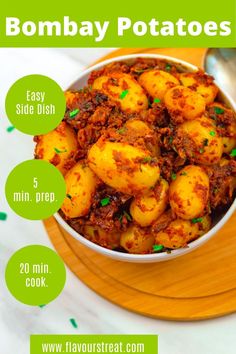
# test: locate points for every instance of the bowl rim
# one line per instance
(152, 257)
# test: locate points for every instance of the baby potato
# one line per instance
(184, 104)
(70, 97)
(99, 236)
(124, 167)
(229, 141)
(146, 208)
(57, 147)
(137, 240)
(189, 192)
(80, 187)
(157, 82)
(177, 234)
(201, 83)
(138, 128)
(207, 144)
(124, 89)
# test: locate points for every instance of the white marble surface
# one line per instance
(92, 313)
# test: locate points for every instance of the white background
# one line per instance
(93, 314)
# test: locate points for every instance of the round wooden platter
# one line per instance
(197, 286)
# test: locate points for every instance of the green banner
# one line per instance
(145, 344)
(103, 23)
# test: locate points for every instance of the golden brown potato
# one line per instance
(184, 104)
(101, 237)
(157, 82)
(203, 137)
(138, 128)
(189, 192)
(70, 97)
(201, 83)
(146, 208)
(124, 89)
(124, 167)
(137, 240)
(80, 188)
(57, 147)
(180, 232)
(229, 141)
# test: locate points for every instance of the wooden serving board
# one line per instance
(197, 286)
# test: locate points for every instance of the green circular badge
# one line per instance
(35, 104)
(35, 189)
(35, 275)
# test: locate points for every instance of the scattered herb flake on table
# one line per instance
(10, 128)
(124, 94)
(73, 322)
(3, 216)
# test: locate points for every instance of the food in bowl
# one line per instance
(147, 150)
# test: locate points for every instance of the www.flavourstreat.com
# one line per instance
(72, 347)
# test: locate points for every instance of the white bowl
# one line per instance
(156, 257)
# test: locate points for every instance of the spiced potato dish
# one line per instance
(147, 151)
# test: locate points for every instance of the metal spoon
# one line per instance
(221, 63)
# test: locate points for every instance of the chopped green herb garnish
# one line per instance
(201, 151)
(128, 217)
(205, 142)
(105, 201)
(73, 322)
(59, 151)
(73, 113)
(233, 153)
(183, 173)
(196, 220)
(69, 196)
(212, 133)
(147, 159)
(123, 94)
(139, 71)
(218, 110)
(3, 216)
(121, 130)
(173, 176)
(171, 139)
(156, 100)
(157, 248)
(168, 67)
(10, 128)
